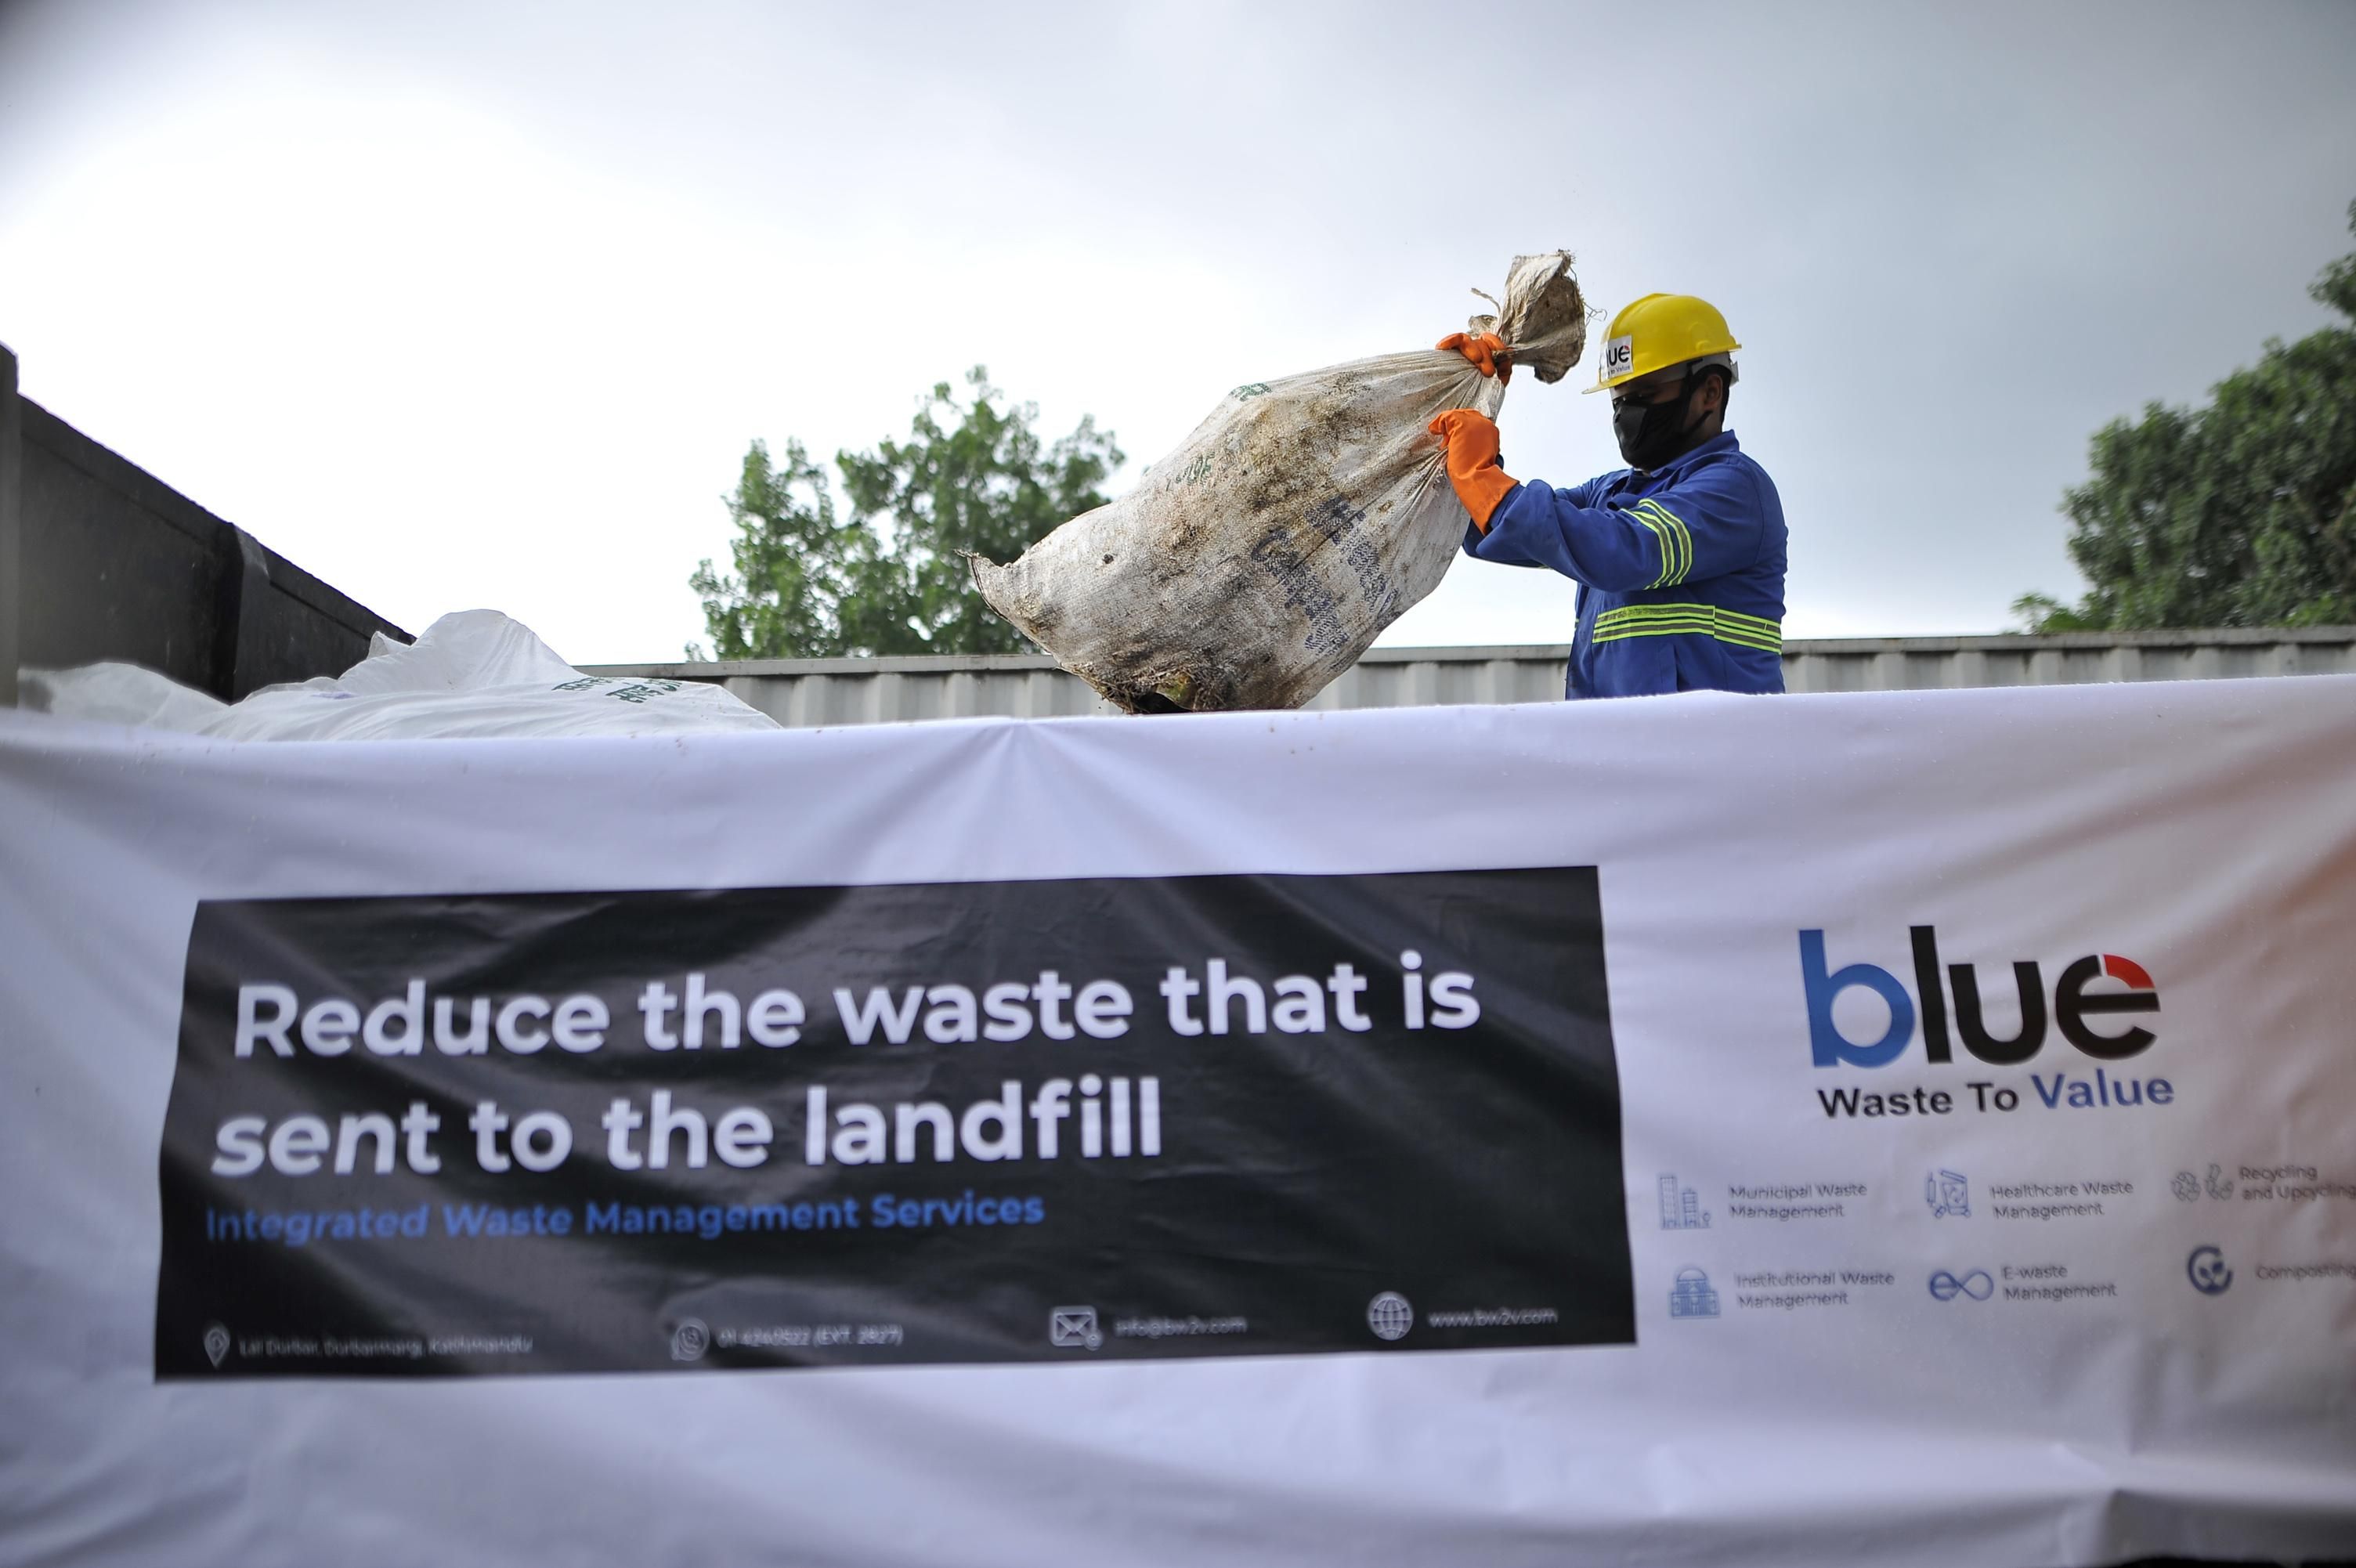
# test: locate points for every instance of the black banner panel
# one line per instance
(1051, 1121)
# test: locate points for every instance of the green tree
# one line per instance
(795, 562)
(973, 476)
(2241, 513)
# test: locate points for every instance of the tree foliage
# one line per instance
(971, 477)
(795, 562)
(2239, 513)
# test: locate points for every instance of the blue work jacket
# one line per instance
(1680, 572)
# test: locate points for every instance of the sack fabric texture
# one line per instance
(1256, 562)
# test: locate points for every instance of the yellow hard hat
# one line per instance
(1657, 331)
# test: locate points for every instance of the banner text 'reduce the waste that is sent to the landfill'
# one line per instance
(979, 1121)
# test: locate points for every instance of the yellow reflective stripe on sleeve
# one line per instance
(1695, 621)
(1662, 540)
(1677, 555)
(1684, 540)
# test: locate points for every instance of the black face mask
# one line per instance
(1651, 434)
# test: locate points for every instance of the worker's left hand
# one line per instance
(1475, 466)
(1487, 351)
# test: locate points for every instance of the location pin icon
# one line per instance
(217, 1344)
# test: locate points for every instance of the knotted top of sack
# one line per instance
(1544, 318)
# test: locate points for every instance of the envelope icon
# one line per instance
(1074, 1328)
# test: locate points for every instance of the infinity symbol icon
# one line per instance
(1976, 1285)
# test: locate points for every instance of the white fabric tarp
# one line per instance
(2051, 1332)
(472, 673)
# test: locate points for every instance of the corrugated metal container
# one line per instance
(804, 692)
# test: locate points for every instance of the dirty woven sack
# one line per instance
(1256, 562)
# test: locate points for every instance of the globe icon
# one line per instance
(1389, 1315)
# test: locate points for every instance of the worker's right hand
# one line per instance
(1486, 350)
(1475, 467)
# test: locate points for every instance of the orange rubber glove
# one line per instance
(1474, 468)
(1484, 351)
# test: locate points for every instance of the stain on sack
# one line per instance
(1275, 555)
(1339, 522)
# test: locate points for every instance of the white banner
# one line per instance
(1986, 1115)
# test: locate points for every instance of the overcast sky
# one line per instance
(467, 304)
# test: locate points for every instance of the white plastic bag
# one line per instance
(1256, 562)
(116, 693)
(473, 674)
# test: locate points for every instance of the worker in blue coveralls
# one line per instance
(1680, 556)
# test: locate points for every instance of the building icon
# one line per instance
(1681, 1207)
(1691, 1297)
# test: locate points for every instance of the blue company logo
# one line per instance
(2207, 1270)
(2072, 1005)
(1690, 1296)
(1976, 1285)
(1948, 1194)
